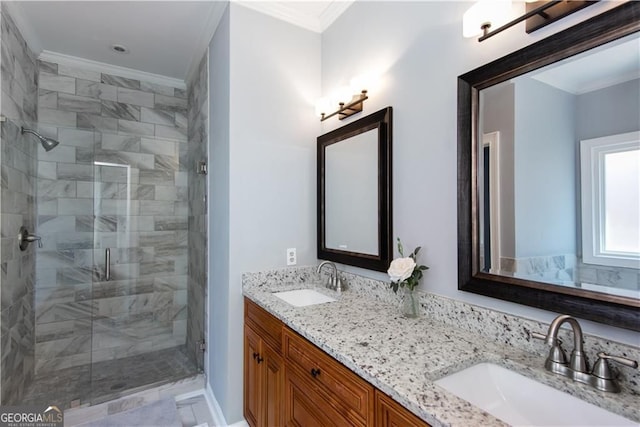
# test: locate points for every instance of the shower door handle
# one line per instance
(107, 264)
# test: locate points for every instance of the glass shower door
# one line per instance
(121, 321)
(140, 238)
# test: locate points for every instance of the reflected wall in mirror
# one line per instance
(549, 172)
(351, 178)
(354, 193)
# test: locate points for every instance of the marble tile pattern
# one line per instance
(198, 118)
(17, 207)
(402, 357)
(567, 269)
(194, 412)
(617, 277)
(110, 379)
(134, 201)
(552, 268)
(187, 393)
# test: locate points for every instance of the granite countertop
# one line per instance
(402, 357)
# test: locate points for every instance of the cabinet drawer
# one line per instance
(268, 326)
(305, 407)
(346, 390)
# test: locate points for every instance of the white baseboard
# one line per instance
(216, 411)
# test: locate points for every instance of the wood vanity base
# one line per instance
(288, 381)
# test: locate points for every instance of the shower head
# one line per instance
(47, 143)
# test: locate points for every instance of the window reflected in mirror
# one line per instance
(558, 170)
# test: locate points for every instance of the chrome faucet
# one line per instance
(334, 281)
(577, 369)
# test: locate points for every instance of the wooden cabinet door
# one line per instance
(252, 378)
(389, 413)
(304, 407)
(273, 387)
(342, 389)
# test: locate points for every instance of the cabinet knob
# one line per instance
(315, 372)
(255, 355)
(259, 359)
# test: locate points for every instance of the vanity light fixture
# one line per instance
(485, 13)
(344, 109)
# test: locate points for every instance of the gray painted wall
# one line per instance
(608, 111)
(351, 194)
(418, 50)
(498, 107)
(219, 217)
(264, 199)
(545, 170)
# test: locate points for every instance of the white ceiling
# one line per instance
(612, 64)
(165, 38)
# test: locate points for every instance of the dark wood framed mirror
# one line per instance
(484, 267)
(354, 193)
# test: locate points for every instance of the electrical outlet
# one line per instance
(292, 258)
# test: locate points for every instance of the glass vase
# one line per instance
(410, 304)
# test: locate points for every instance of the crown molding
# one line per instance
(333, 11)
(292, 15)
(102, 67)
(26, 29)
(283, 12)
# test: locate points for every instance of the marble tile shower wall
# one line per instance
(553, 268)
(615, 277)
(141, 214)
(17, 207)
(197, 283)
(567, 269)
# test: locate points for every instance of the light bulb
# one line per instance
(342, 95)
(492, 12)
(323, 106)
(361, 82)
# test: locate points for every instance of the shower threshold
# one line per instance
(110, 379)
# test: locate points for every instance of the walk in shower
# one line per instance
(113, 300)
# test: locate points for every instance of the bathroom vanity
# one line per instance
(357, 361)
(290, 381)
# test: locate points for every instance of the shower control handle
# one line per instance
(107, 264)
(33, 238)
(24, 238)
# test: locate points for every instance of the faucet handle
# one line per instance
(602, 378)
(543, 337)
(538, 336)
(618, 359)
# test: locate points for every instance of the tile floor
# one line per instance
(191, 403)
(194, 411)
(109, 380)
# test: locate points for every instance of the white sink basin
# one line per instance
(303, 297)
(519, 400)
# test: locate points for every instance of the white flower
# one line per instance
(401, 269)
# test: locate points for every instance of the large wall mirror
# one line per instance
(549, 173)
(354, 193)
